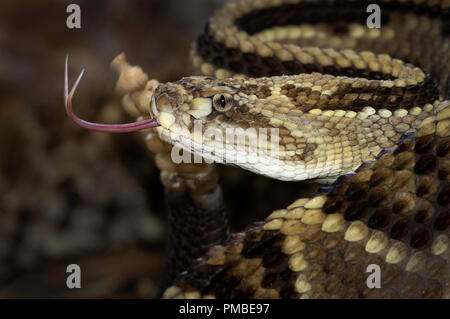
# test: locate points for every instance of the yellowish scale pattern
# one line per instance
(336, 105)
(327, 124)
(315, 249)
(334, 109)
(316, 138)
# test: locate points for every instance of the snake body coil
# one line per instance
(332, 99)
(333, 108)
(377, 97)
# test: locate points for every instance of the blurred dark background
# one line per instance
(72, 196)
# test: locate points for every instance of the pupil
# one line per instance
(222, 101)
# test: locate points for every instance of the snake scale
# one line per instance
(365, 107)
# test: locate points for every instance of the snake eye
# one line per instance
(222, 102)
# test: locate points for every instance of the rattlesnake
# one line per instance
(268, 65)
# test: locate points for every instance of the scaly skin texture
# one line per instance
(204, 223)
(324, 111)
(268, 64)
(326, 124)
(314, 128)
(393, 212)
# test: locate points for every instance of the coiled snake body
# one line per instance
(338, 94)
(345, 106)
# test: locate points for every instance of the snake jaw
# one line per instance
(188, 99)
(154, 109)
(166, 100)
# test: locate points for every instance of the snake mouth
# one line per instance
(163, 106)
(176, 108)
(153, 109)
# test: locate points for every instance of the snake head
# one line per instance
(177, 105)
(213, 119)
